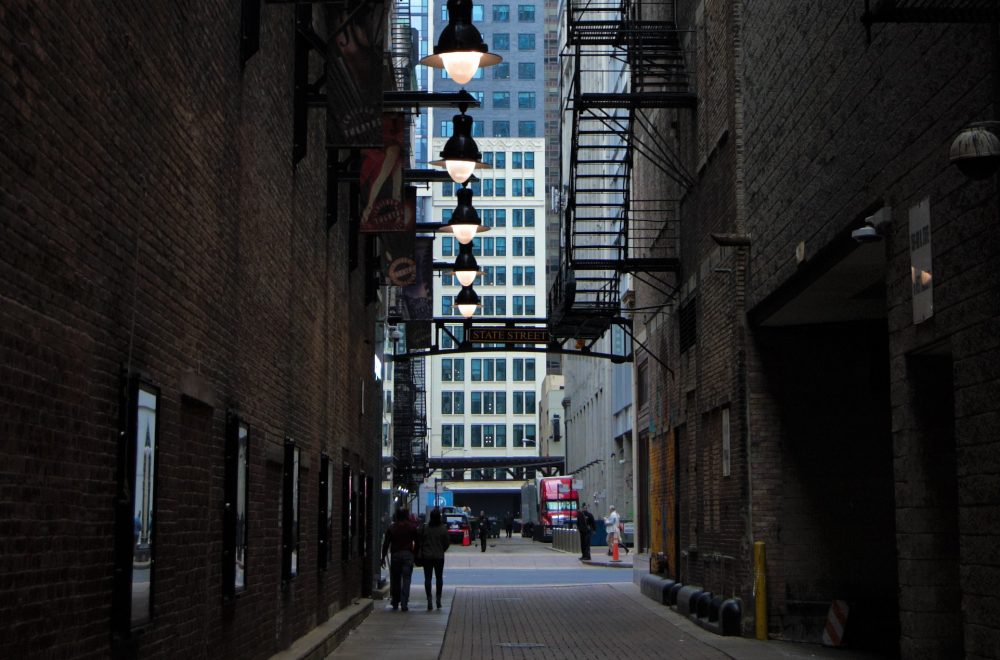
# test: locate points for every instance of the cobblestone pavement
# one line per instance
(595, 621)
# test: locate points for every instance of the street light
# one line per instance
(466, 268)
(460, 49)
(464, 221)
(460, 155)
(467, 301)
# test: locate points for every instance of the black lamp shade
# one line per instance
(466, 268)
(460, 35)
(461, 147)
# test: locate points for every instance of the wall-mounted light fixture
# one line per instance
(466, 268)
(976, 150)
(460, 155)
(464, 222)
(467, 301)
(460, 49)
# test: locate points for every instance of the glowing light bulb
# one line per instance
(461, 66)
(460, 170)
(467, 310)
(464, 233)
(466, 277)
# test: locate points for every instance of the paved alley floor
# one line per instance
(512, 609)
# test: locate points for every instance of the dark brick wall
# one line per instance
(152, 221)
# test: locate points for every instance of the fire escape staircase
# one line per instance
(409, 423)
(625, 67)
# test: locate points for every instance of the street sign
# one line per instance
(502, 335)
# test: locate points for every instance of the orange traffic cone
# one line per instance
(614, 552)
(465, 537)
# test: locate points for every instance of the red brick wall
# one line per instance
(152, 220)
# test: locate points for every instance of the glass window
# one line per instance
(526, 71)
(501, 13)
(478, 128)
(501, 217)
(501, 128)
(448, 246)
(501, 246)
(500, 188)
(526, 128)
(529, 187)
(486, 216)
(501, 99)
(446, 214)
(501, 160)
(501, 71)
(446, 127)
(446, 188)
(529, 305)
(478, 13)
(477, 188)
(515, 156)
(525, 41)
(529, 246)
(487, 189)
(529, 275)
(529, 217)
(444, 13)
(518, 275)
(477, 370)
(452, 435)
(517, 188)
(526, 100)
(447, 305)
(526, 13)
(529, 160)
(518, 305)
(479, 96)
(501, 41)
(488, 157)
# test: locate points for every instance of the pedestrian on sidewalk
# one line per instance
(612, 526)
(433, 544)
(585, 525)
(508, 524)
(484, 530)
(398, 548)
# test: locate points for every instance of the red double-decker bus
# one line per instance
(557, 503)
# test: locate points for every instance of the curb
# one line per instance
(327, 636)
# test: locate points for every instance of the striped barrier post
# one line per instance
(836, 620)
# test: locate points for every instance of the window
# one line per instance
(453, 370)
(529, 187)
(524, 435)
(452, 435)
(516, 156)
(487, 157)
(448, 306)
(500, 187)
(501, 246)
(448, 279)
(526, 13)
(526, 71)
(444, 13)
(526, 100)
(479, 96)
(478, 128)
(524, 403)
(517, 188)
(449, 246)
(518, 275)
(529, 305)
(529, 160)
(446, 214)
(501, 71)
(447, 127)
(501, 128)
(489, 370)
(477, 188)
(478, 13)
(526, 128)
(524, 369)
(489, 403)
(501, 218)
(501, 99)
(489, 435)
(687, 320)
(487, 189)
(529, 276)
(501, 13)
(457, 331)
(501, 160)
(486, 217)
(501, 41)
(452, 403)
(518, 305)
(525, 41)
(529, 217)
(518, 217)
(446, 188)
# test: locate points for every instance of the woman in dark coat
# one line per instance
(433, 545)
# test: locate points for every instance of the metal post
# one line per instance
(759, 590)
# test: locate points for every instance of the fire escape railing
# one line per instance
(401, 46)
(409, 423)
(629, 61)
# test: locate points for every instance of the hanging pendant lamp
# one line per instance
(467, 301)
(460, 155)
(466, 268)
(460, 49)
(464, 222)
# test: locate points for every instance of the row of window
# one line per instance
(501, 127)
(488, 369)
(488, 474)
(501, 13)
(493, 306)
(518, 159)
(488, 403)
(491, 246)
(488, 436)
(493, 188)
(496, 276)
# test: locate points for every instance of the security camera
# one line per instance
(976, 150)
(866, 234)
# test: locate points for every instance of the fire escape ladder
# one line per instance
(401, 46)
(630, 64)
(409, 423)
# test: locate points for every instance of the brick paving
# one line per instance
(579, 622)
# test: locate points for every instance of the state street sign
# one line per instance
(502, 335)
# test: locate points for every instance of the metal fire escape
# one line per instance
(629, 63)
(401, 46)
(409, 423)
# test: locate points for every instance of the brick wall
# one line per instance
(152, 221)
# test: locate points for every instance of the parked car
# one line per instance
(458, 527)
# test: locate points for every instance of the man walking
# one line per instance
(585, 525)
(508, 524)
(397, 549)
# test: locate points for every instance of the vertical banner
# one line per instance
(383, 208)
(354, 74)
(921, 280)
(401, 268)
(418, 298)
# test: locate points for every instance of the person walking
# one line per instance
(398, 547)
(484, 530)
(433, 544)
(612, 526)
(585, 525)
(508, 524)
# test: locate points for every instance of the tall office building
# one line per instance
(485, 404)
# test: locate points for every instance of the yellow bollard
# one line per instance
(759, 590)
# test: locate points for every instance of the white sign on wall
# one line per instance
(921, 280)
